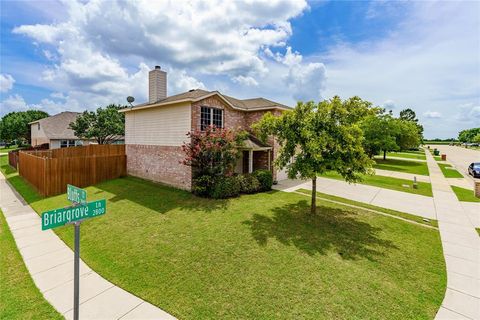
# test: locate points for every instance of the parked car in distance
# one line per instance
(474, 169)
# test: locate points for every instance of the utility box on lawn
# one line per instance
(436, 152)
(444, 157)
(477, 189)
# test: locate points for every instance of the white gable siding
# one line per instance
(38, 136)
(164, 126)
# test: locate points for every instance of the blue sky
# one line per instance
(75, 55)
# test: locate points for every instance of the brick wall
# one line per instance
(160, 164)
(232, 119)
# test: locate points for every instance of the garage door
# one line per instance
(282, 174)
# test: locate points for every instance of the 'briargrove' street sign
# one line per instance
(62, 216)
(75, 214)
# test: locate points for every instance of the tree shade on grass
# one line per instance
(424, 188)
(407, 155)
(19, 297)
(411, 217)
(448, 171)
(466, 195)
(258, 256)
(413, 167)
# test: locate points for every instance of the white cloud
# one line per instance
(429, 62)
(469, 113)
(388, 104)
(246, 81)
(102, 49)
(13, 103)
(432, 114)
(6, 82)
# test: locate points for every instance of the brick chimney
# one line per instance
(157, 85)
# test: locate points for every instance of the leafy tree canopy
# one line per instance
(468, 135)
(103, 125)
(380, 131)
(410, 115)
(315, 138)
(15, 125)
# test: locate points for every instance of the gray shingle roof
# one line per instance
(197, 94)
(57, 126)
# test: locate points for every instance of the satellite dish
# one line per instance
(130, 99)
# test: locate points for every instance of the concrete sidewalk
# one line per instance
(50, 263)
(396, 200)
(461, 249)
(402, 175)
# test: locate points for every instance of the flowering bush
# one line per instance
(212, 154)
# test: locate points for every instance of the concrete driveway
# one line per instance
(460, 157)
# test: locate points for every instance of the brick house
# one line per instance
(155, 131)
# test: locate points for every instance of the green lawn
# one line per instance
(448, 171)
(19, 297)
(432, 222)
(466, 195)
(258, 256)
(478, 231)
(414, 167)
(424, 188)
(5, 150)
(420, 155)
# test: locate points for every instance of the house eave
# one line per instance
(215, 93)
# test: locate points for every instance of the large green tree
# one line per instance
(468, 135)
(407, 135)
(316, 138)
(15, 125)
(410, 115)
(380, 131)
(104, 125)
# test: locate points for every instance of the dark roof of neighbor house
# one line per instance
(57, 126)
(199, 94)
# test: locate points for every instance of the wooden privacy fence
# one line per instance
(13, 158)
(50, 171)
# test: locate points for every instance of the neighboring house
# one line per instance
(55, 131)
(155, 131)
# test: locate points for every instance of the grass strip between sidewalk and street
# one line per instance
(397, 184)
(449, 171)
(467, 195)
(19, 297)
(403, 215)
(418, 155)
(413, 167)
(478, 231)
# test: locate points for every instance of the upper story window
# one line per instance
(211, 116)
(38, 125)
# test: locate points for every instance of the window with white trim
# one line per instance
(211, 116)
(67, 143)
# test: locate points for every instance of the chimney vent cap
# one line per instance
(158, 67)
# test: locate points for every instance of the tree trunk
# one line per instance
(384, 154)
(313, 208)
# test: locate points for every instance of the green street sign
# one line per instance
(76, 195)
(59, 217)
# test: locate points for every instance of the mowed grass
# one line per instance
(419, 155)
(466, 195)
(413, 167)
(5, 150)
(19, 297)
(404, 215)
(258, 256)
(448, 171)
(404, 185)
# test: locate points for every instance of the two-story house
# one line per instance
(155, 131)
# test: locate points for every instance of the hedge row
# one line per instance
(232, 186)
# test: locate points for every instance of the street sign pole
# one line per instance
(74, 214)
(76, 271)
